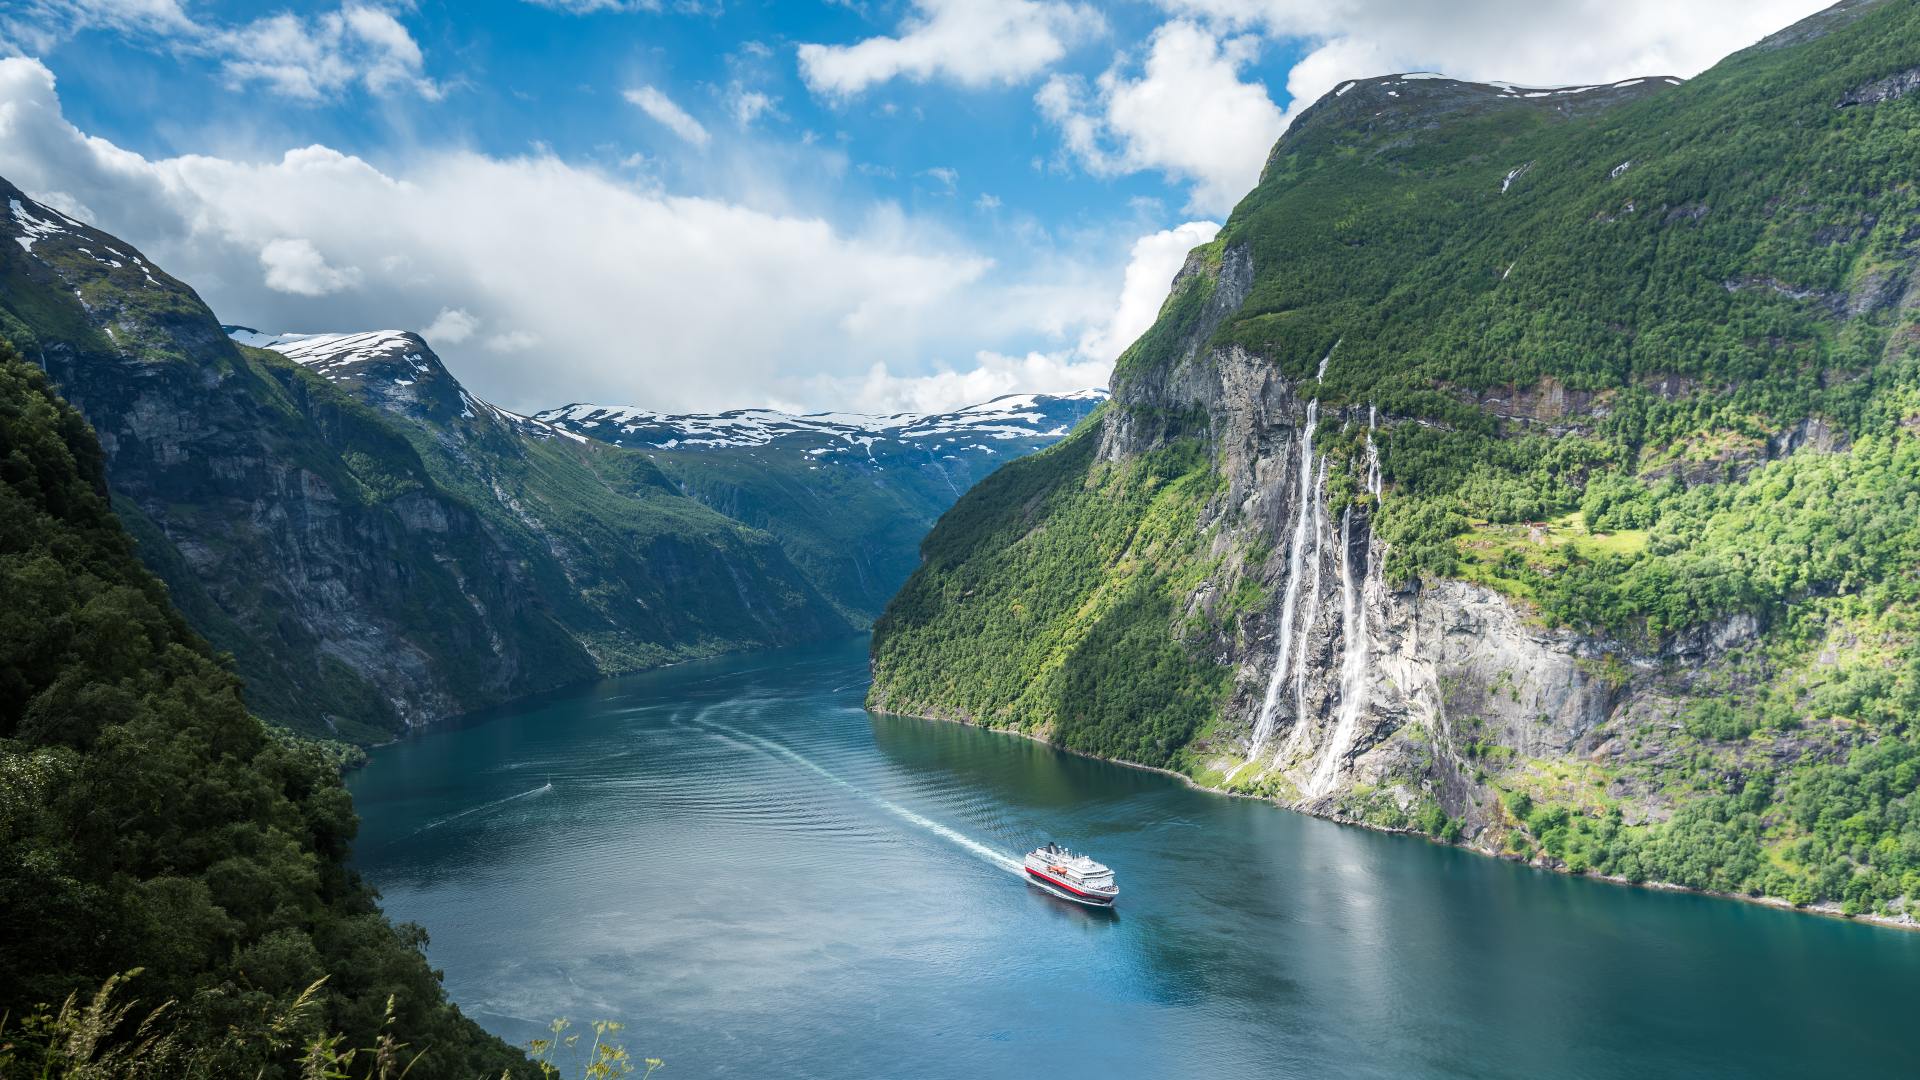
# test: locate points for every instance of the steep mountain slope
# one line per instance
(147, 821)
(849, 496)
(374, 554)
(1531, 468)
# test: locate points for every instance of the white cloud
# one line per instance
(746, 106)
(1545, 42)
(589, 7)
(987, 201)
(514, 341)
(627, 294)
(971, 42)
(662, 109)
(1155, 259)
(1189, 115)
(39, 25)
(451, 327)
(294, 265)
(1151, 266)
(881, 391)
(311, 59)
(308, 58)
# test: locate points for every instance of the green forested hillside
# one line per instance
(1645, 360)
(147, 821)
(1043, 601)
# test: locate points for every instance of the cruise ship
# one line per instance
(1071, 877)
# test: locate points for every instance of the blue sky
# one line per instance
(518, 75)
(888, 204)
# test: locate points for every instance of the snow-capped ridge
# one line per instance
(401, 358)
(1009, 417)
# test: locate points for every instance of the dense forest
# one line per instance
(150, 825)
(1644, 360)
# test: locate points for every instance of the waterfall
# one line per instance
(1296, 556)
(1322, 373)
(1313, 601)
(1306, 530)
(1294, 737)
(1373, 457)
(1353, 663)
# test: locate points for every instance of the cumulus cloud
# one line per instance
(1544, 42)
(586, 286)
(451, 327)
(1189, 115)
(1151, 266)
(971, 42)
(294, 265)
(1155, 259)
(992, 375)
(663, 110)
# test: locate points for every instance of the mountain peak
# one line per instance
(395, 370)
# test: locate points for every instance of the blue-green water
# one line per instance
(762, 879)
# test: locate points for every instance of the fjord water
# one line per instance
(762, 879)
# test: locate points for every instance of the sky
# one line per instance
(883, 205)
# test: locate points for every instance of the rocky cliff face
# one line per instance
(1368, 701)
(375, 547)
(1521, 467)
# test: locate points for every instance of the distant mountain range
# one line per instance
(379, 548)
(849, 496)
(880, 440)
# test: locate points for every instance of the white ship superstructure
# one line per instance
(1071, 877)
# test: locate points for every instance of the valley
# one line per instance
(317, 511)
(1448, 548)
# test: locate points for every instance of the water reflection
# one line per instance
(764, 879)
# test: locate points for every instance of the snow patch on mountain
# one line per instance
(35, 228)
(1012, 417)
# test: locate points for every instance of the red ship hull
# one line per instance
(1066, 891)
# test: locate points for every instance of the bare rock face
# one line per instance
(1353, 698)
(1892, 87)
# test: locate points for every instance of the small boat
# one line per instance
(1071, 877)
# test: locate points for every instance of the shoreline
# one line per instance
(1829, 911)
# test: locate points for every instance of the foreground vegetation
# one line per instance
(149, 824)
(108, 1037)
